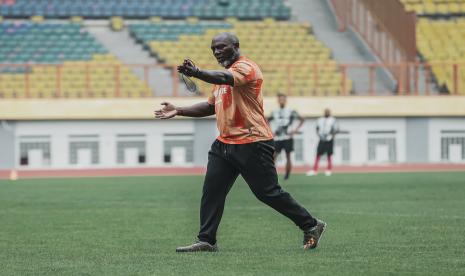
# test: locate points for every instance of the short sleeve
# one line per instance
(242, 72)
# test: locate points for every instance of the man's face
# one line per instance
(224, 51)
(327, 113)
(282, 101)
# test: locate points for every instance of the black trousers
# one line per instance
(255, 163)
(325, 147)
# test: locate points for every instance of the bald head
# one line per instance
(227, 38)
(225, 48)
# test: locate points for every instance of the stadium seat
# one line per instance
(440, 43)
(435, 7)
(174, 9)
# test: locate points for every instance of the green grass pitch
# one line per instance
(378, 224)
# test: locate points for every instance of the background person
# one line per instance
(326, 129)
(282, 120)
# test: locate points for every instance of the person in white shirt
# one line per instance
(282, 121)
(326, 129)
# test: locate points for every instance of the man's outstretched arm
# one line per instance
(211, 76)
(169, 111)
(215, 77)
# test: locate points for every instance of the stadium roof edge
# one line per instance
(142, 108)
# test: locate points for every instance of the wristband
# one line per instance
(180, 111)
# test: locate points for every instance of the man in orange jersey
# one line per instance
(245, 145)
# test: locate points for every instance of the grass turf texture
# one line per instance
(407, 223)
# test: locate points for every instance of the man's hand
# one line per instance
(294, 132)
(167, 112)
(188, 68)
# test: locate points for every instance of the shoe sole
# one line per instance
(195, 251)
(321, 235)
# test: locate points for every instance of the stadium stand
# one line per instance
(442, 41)
(30, 53)
(435, 7)
(46, 43)
(440, 36)
(294, 52)
(174, 9)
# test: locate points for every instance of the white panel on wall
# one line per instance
(342, 154)
(440, 129)
(337, 157)
(182, 143)
(131, 156)
(154, 149)
(84, 157)
(60, 150)
(382, 153)
(35, 158)
(309, 141)
(455, 153)
(107, 150)
(178, 155)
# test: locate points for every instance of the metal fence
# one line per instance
(132, 80)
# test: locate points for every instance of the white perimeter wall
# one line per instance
(107, 131)
(358, 133)
(154, 131)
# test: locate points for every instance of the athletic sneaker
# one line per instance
(197, 247)
(313, 236)
(311, 173)
(328, 173)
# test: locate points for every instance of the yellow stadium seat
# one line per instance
(441, 42)
(435, 6)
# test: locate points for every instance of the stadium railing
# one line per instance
(18, 81)
(385, 26)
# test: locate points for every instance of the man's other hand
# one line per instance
(168, 111)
